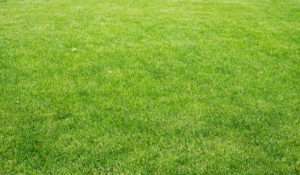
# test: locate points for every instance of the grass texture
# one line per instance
(129, 87)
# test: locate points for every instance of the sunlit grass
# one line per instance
(149, 87)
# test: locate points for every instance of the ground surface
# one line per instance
(149, 87)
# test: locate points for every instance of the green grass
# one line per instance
(149, 87)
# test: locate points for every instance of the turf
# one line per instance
(149, 87)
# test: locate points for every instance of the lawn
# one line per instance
(166, 87)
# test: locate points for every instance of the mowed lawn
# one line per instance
(160, 87)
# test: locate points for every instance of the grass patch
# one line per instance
(149, 87)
